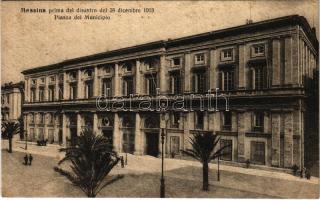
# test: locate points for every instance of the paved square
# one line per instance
(143, 180)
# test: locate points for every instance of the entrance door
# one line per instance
(109, 135)
(258, 153)
(73, 134)
(128, 141)
(174, 145)
(152, 144)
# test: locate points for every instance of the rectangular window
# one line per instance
(258, 122)
(32, 119)
(41, 94)
(227, 151)
(258, 78)
(175, 120)
(227, 121)
(40, 134)
(31, 135)
(128, 86)
(226, 55)
(258, 50)
(199, 59)
(51, 93)
(33, 94)
(152, 85)
(50, 118)
(175, 84)
(60, 91)
(257, 154)
(176, 62)
(199, 82)
(107, 87)
(227, 80)
(88, 89)
(52, 79)
(199, 117)
(73, 91)
(41, 118)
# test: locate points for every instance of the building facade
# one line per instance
(263, 69)
(11, 101)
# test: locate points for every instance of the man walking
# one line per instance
(30, 159)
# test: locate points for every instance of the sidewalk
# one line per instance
(149, 164)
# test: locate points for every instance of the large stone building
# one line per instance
(264, 69)
(11, 101)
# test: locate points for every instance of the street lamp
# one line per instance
(162, 185)
(26, 136)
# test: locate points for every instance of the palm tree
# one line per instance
(203, 149)
(91, 159)
(9, 129)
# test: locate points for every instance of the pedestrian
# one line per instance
(25, 159)
(122, 161)
(30, 159)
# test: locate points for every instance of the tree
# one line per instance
(9, 129)
(91, 159)
(203, 149)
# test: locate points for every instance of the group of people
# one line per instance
(28, 159)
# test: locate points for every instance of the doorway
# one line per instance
(108, 134)
(152, 140)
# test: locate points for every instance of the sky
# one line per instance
(37, 39)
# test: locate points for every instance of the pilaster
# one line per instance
(275, 152)
(137, 78)
(288, 140)
(138, 136)
(116, 133)
(96, 84)
(276, 62)
(163, 76)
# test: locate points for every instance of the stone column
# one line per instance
(95, 124)
(66, 88)
(137, 78)
(116, 133)
(242, 66)
(79, 124)
(187, 73)
(116, 81)
(288, 139)
(80, 88)
(288, 61)
(96, 84)
(163, 76)
(276, 62)
(275, 154)
(137, 136)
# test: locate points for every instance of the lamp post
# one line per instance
(162, 185)
(26, 135)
